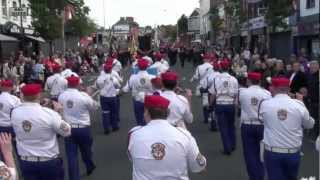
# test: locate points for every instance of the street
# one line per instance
(112, 162)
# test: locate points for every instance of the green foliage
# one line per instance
(277, 11)
(46, 15)
(216, 21)
(183, 24)
(169, 31)
(233, 10)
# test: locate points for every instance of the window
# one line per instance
(14, 5)
(4, 8)
(310, 4)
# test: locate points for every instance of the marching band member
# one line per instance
(7, 103)
(56, 83)
(223, 92)
(76, 112)
(109, 87)
(251, 127)
(36, 131)
(140, 85)
(160, 64)
(284, 120)
(180, 107)
(156, 85)
(116, 64)
(166, 143)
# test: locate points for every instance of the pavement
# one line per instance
(110, 152)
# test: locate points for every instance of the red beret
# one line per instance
(114, 55)
(169, 76)
(31, 89)
(216, 65)
(254, 76)
(224, 64)
(156, 81)
(110, 59)
(280, 82)
(73, 81)
(107, 66)
(158, 56)
(156, 102)
(143, 64)
(56, 67)
(7, 83)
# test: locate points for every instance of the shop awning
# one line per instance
(40, 39)
(7, 38)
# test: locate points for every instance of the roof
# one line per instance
(196, 12)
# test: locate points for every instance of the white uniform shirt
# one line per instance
(56, 84)
(179, 108)
(208, 80)
(77, 106)
(140, 85)
(225, 88)
(108, 85)
(284, 119)
(250, 99)
(7, 103)
(202, 71)
(36, 129)
(116, 65)
(161, 68)
(160, 151)
(114, 74)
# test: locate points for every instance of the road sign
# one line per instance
(17, 11)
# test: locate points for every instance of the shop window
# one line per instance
(4, 8)
(310, 4)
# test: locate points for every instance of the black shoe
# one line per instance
(115, 129)
(225, 153)
(214, 129)
(106, 132)
(90, 171)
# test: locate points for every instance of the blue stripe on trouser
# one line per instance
(80, 138)
(282, 166)
(226, 119)
(139, 112)
(251, 138)
(48, 170)
(110, 112)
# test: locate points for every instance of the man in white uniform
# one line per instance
(180, 106)
(76, 112)
(56, 83)
(284, 120)
(140, 85)
(201, 74)
(251, 127)
(159, 151)
(7, 103)
(116, 65)
(109, 87)
(36, 129)
(224, 91)
(160, 64)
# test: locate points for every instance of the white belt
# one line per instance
(37, 158)
(78, 126)
(252, 122)
(225, 102)
(281, 150)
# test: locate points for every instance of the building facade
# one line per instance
(194, 25)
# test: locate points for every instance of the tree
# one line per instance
(216, 22)
(277, 11)
(46, 18)
(182, 24)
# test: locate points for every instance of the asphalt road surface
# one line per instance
(112, 162)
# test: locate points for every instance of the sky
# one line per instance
(145, 12)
